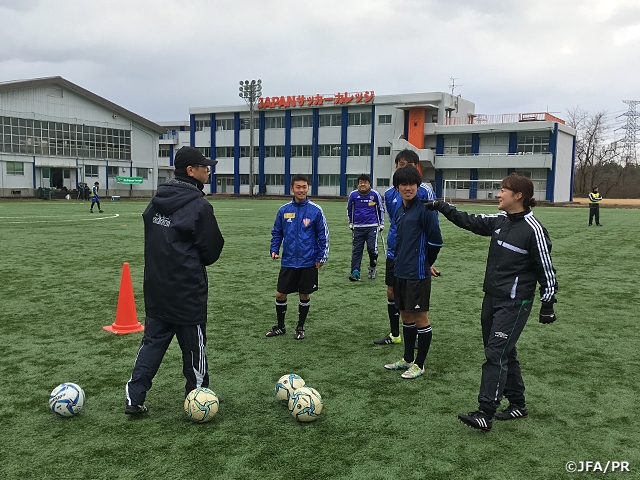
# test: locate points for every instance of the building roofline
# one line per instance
(45, 81)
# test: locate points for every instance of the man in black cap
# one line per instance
(181, 237)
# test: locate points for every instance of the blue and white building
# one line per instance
(334, 138)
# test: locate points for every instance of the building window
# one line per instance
(142, 172)
(66, 173)
(275, 151)
(274, 179)
(382, 182)
(352, 182)
(384, 119)
(244, 179)
(494, 144)
(529, 144)
(329, 150)
(224, 152)
(244, 151)
(384, 150)
(360, 118)
(164, 151)
(91, 170)
(330, 180)
(113, 171)
(301, 121)
(206, 151)
(274, 122)
(244, 123)
(359, 150)
(15, 168)
(36, 137)
(46, 172)
(300, 150)
(224, 124)
(202, 125)
(331, 120)
(457, 145)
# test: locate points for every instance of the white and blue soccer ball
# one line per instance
(201, 405)
(67, 399)
(286, 386)
(305, 404)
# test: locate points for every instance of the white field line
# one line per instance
(59, 220)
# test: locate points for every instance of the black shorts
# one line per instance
(412, 295)
(301, 280)
(389, 278)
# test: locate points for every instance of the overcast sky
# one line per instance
(160, 57)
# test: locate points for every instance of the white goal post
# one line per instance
(460, 189)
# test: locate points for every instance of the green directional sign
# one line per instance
(129, 180)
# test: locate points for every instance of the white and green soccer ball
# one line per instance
(67, 399)
(201, 405)
(286, 386)
(305, 404)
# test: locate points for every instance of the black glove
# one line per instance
(433, 204)
(547, 315)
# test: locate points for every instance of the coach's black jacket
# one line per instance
(519, 254)
(181, 237)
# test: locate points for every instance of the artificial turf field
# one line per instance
(60, 273)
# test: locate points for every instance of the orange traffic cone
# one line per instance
(126, 316)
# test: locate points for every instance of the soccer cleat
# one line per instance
(136, 409)
(299, 335)
(512, 412)
(91, 210)
(388, 340)
(414, 371)
(478, 419)
(355, 275)
(275, 331)
(399, 365)
(101, 211)
(372, 273)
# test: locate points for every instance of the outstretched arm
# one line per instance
(478, 224)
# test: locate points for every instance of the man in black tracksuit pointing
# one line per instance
(519, 258)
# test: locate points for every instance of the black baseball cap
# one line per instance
(190, 157)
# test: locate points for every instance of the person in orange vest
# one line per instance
(594, 206)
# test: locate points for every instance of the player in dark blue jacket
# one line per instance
(393, 200)
(302, 230)
(365, 211)
(418, 241)
(95, 198)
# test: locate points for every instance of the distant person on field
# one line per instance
(418, 241)
(95, 198)
(181, 237)
(393, 201)
(301, 228)
(365, 210)
(519, 258)
(594, 206)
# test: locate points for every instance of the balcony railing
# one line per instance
(482, 119)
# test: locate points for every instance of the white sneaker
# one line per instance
(399, 365)
(414, 371)
(372, 273)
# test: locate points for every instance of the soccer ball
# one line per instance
(201, 405)
(66, 400)
(286, 385)
(305, 404)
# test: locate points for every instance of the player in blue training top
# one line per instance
(365, 210)
(418, 241)
(302, 230)
(95, 198)
(392, 201)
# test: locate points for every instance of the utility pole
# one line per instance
(251, 91)
(631, 133)
(453, 85)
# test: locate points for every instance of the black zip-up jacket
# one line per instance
(181, 237)
(519, 253)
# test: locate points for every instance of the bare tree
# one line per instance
(597, 156)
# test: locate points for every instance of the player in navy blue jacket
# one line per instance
(302, 230)
(365, 210)
(418, 241)
(393, 200)
(95, 198)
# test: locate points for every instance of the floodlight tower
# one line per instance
(631, 133)
(251, 92)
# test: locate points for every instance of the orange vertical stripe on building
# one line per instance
(416, 127)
